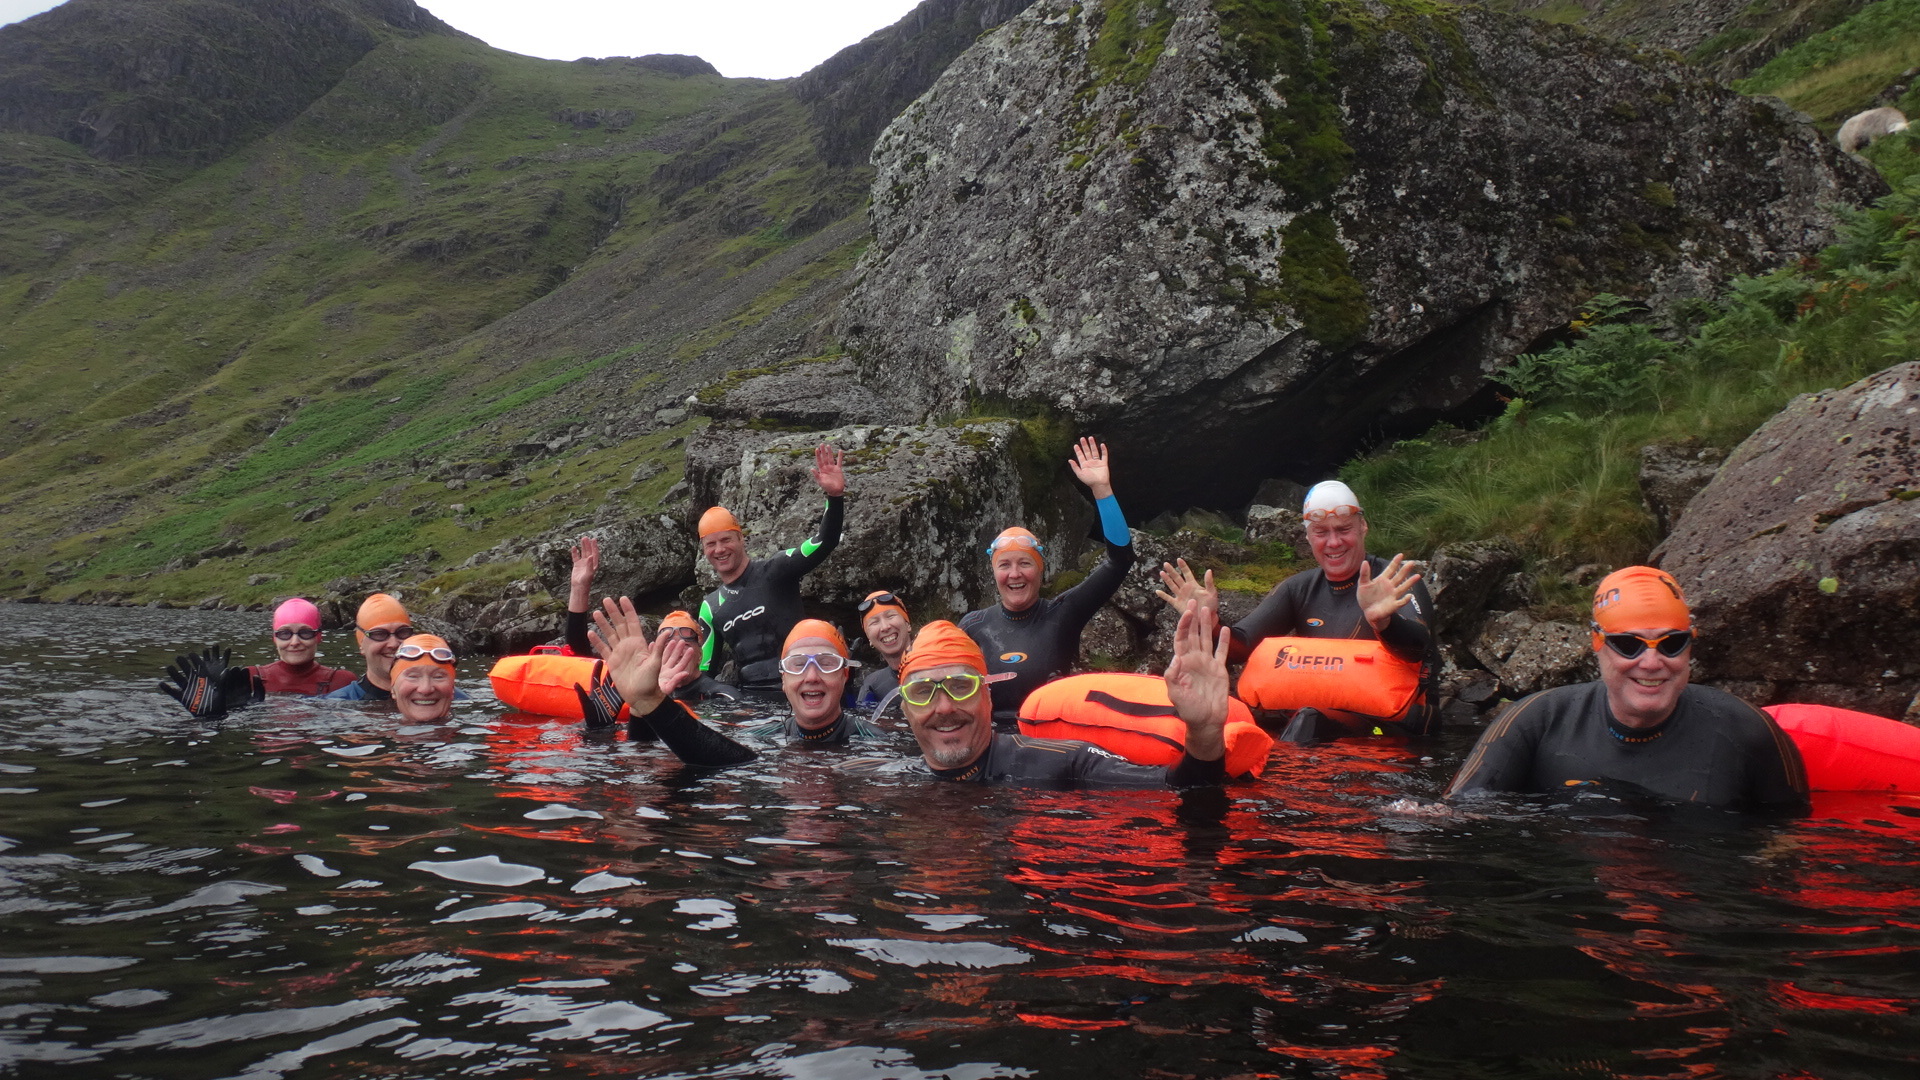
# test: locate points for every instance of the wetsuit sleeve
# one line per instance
(1503, 758)
(1093, 768)
(794, 563)
(1776, 777)
(1080, 603)
(710, 641)
(1407, 634)
(576, 631)
(1191, 772)
(1277, 615)
(692, 741)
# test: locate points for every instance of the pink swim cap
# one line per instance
(296, 610)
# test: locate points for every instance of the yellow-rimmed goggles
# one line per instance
(958, 687)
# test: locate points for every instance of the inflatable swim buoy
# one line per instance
(1351, 674)
(1852, 751)
(1132, 716)
(543, 683)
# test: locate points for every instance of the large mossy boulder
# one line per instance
(1242, 237)
(1802, 557)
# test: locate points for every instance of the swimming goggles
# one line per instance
(303, 635)
(882, 598)
(1325, 512)
(957, 687)
(415, 652)
(826, 662)
(403, 633)
(1630, 646)
(1016, 542)
(684, 633)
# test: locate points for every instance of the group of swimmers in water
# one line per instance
(960, 686)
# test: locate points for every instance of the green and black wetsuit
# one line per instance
(1043, 642)
(1714, 749)
(753, 615)
(1023, 761)
(1309, 604)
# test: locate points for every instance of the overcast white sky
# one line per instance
(768, 39)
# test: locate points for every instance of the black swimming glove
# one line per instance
(600, 702)
(208, 686)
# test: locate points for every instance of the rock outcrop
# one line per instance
(1800, 557)
(1242, 240)
(923, 503)
(644, 557)
(1670, 476)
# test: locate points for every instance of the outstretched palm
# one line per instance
(633, 663)
(1090, 467)
(1197, 681)
(829, 471)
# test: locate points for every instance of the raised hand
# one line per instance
(586, 563)
(679, 665)
(633, 663)
(1090, 467)
(207, 686)
(1380, 597)
(828, 471)
(600, 703)
(1197, 681)
(1182, 586)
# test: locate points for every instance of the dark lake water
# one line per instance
(314, 891)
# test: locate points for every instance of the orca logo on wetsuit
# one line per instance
(1013, 658)
(743, 617)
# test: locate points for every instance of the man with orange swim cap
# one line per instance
(758, 600)
(1642, 723)
(380, 628)
(1037, 639)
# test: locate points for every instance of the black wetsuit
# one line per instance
(1309, 604)
(697, 744)
(1714, 749)
(876, 686)
(693, 693)
(360, 689)
(1043, 642)
(753, 615)
(1023, 761)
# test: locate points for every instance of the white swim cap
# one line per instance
(1329, 498)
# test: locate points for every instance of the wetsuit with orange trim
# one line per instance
(1309, 604)
(1043, 642)
(751, 617)
(312, 679)
(1024, 761)
(1714, 749)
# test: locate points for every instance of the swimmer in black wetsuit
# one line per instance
(941, 683)
(884, 620)
(758, 600)
(814, 670)
(1349, 595)
(1642, 723)
(1038, 639)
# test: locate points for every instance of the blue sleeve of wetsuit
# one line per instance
(1113, 524)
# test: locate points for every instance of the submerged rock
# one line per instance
(1239, 247)
(1799, 558)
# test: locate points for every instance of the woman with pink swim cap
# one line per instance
(296, 637)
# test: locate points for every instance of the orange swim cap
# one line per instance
(379, 609)
(680, 619)
(427, 642)
(718, 519)
(815, 628)
(1018, 537)
(939, 644)
(1638, 598)
(873, 604)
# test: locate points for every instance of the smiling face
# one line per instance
(1016, 574)
(1339, 545)
(952, 734)
(1643, 691)
(296, 652)
(423, 693)
(726, 552)
(889, 632)
(379, 654)
(814, 697)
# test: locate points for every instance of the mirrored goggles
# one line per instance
(873, 601)
(826, 662)
(1324, 513)
(1630, 646)
(403, 633)
(957, 687)
(289, 635)
(415, 652)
